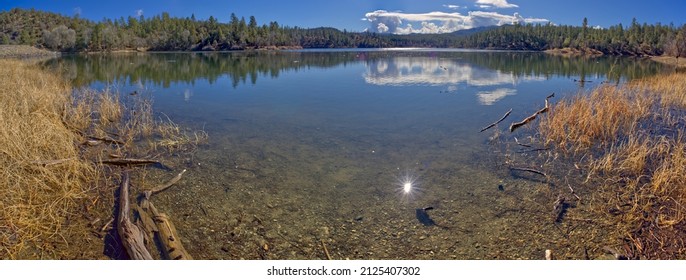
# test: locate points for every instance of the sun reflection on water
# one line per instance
(408, 186)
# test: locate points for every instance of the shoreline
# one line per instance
(31, 52)
(572, 52)
(670, 60)
(25, 52)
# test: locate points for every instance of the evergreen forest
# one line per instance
(166, 33)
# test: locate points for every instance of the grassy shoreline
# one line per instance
(24, 52)
(630, 142)
(55, 192)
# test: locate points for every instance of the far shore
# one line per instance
(31, 52)
(670, 60)
(24, 52)
(574, 52)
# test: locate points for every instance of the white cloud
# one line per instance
(449, 6)
(139, 12)
(382, 27)
(77, 11)
(495, 4)
(440, 22)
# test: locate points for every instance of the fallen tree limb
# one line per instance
(108, 140)
(533, 150)
(516, 125)
(495, 123)
(521, 144)
(164, 186)
(131, 236)
(128, 161)
(52, 162)
(159, 225)
(529, 170)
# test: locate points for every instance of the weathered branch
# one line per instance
(131, 236)
(516, 125)
(128, 161)
(159, 224)
(52, 162)
(521, 144)
(529, 170)
(495, 123)
(164, 186)
(533, 150)
(106, 139)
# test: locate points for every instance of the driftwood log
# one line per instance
(159, 225)
(172, 248)
(131, 236)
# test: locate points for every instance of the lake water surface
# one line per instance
(310, 151)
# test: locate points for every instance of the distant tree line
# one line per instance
(634, 40)
(165, 33)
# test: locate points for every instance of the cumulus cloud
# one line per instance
(449, 6)
(494, 4)
(382, 27)
(139, 12)
(77, 11)
(439, 22)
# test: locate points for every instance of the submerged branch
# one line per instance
(516, 125)
(495, 123)
(164, 186)
(529, 170)
(128, 161)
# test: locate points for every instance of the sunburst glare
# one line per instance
(407, 185)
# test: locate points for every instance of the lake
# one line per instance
(318, 152)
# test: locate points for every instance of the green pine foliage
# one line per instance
(165, 33)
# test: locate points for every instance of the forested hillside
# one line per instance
(165, 33)
(162, 32)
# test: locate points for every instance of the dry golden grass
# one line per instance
(35, 196)
(632, 140)
(596, 119)
(48, 174)
(109, 107)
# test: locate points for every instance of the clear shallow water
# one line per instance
(312, 149)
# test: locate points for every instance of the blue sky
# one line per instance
(397, 16)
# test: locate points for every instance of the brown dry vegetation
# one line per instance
(631, 141)
(36, 198)
(51, 178)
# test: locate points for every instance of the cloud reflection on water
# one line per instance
(432, 71)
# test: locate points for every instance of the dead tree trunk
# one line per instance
(131, 236)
